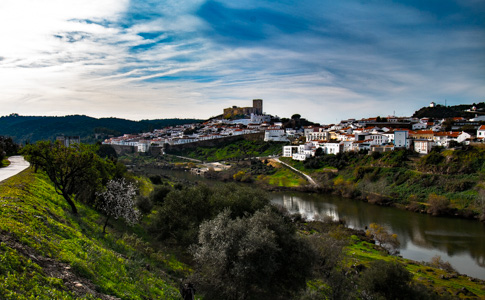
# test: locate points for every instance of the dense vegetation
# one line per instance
(443, 112)
(36, 128)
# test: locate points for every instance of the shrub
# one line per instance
(257, 257)
(438, 205)
(390, 280)
(437, 262)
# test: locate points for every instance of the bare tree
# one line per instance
(385, 239)
(117, 201)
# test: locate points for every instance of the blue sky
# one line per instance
(326, 60)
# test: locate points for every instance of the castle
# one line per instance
(235, 111)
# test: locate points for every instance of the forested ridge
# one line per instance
(36, 128)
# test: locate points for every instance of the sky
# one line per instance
(323, 59)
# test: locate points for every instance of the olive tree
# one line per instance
(117, 201)
(72, 170)
(256, 257)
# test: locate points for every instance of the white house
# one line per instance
(378, 139)
(288, 151)
(481, 132)
(463, 137)
(275, 135)
(419, 126)
(332, 148)
(401, 139)
(422, 146)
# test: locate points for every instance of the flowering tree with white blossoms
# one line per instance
(117, 201)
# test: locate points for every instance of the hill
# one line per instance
(443, 112)
(35, 128)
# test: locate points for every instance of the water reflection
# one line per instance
(461, 242)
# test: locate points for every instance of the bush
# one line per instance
(438, 205)
(184, 210)
(388, 280)
(257, 257)
(158, 195)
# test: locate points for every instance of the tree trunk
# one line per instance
(105, 223)
(71, 203)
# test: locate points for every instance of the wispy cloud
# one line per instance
(323, 59)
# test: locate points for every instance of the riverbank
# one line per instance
(448, 183)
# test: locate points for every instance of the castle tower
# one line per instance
(258, 106)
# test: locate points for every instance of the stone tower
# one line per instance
(258, 106)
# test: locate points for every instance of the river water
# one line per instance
(458, 241)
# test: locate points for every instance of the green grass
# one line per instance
(361, 252)
(283, 177)
(120, 263)
(4, 163)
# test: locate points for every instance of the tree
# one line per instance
(69, 168)
(7, 146)
(117, 201)
(183, 210)
(382, 236)
(256, 257)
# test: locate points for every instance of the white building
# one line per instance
(481, 132)
(401, 139)
(275, 135)
(288, 151)
(143, 146)
(378, 139)
(422, 146)
(332, 148)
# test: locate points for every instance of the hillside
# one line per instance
(47, 252)
(35, 128)
(443, 112)
(449, 182)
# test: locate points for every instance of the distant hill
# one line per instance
(443, 112)
(34, 128)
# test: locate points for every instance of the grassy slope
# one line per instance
(360, 252)
(235, 150)
(47, 252)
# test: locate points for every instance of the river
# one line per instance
(458, 241)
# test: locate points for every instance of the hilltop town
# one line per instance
(376, 134)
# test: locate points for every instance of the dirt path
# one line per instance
(17, 165)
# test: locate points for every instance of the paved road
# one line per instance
(312, 182)
(17, 165)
